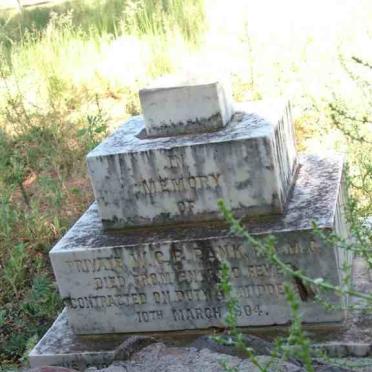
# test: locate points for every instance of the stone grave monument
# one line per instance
(144, 258)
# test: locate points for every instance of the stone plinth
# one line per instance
(183, 109)
(61, 347)
(166, 279)
(250, 164)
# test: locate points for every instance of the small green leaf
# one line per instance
(81, 132)
(100, 129)
(2, 317)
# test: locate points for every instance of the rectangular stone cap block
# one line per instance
(145, 182)
(171, 109)
(166, 279)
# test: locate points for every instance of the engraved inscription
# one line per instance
(149, 316)
(185, 206)
(96, 302)
(177, 281)
(95, 265)
(181, 184)
(197, 313)
(176, 161)
(109, 282)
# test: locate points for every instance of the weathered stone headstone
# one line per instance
(145, 256)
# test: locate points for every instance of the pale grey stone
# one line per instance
(61, 347)
(174, 109)
(165, 280)
(250, 163)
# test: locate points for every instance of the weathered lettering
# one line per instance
(95, 265)
(197, 313)
(181, 184)
(118, 300)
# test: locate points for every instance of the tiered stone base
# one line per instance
(133, 282)
(167, 279)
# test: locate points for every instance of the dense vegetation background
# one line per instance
(70, 72)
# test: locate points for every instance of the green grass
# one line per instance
(67, 71)
(70, 72)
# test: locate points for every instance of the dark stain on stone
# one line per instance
(200, 125)
(211, 264)
(176, 261)
(305, 292)
(275, 201)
